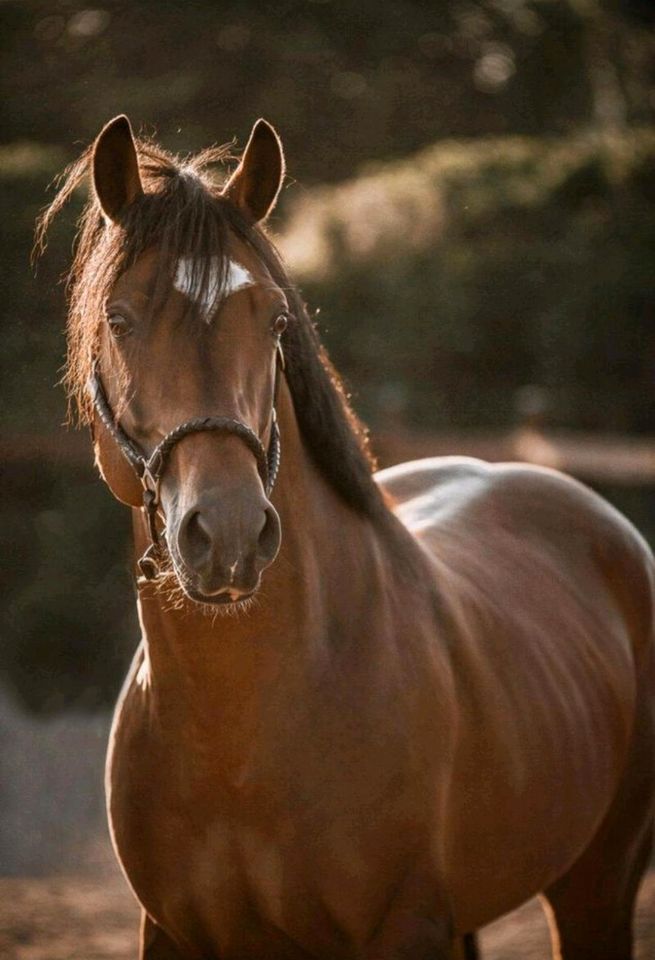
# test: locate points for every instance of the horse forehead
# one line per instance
(188, 270)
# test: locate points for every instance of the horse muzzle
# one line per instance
(220, 548)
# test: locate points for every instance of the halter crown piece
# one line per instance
(150, 469)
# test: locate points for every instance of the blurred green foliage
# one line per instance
(469, 270)
(69, 624)
(346, 80)
(505, 237)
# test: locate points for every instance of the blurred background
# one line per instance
(469, 204)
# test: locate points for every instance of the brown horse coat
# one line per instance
(429, 711)
(301, 769)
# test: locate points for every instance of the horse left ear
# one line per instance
(255, 184)
(115, 167)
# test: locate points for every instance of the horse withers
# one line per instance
(369, 713)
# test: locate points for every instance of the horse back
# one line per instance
(474, 517)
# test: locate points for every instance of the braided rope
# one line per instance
(274, 454)
(267, 463)
(130, 450)
(159, 457)
(150, 469)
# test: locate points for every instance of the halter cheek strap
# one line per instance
(150, 469)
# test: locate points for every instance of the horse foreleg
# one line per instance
(427, 942)
(154, 944)
(418, 923)
(417, 939)
(470, 948)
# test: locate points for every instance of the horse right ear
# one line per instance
(116, 178)
(255, 184)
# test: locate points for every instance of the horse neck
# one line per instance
(329, 582)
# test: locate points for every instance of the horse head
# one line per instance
(190, 336)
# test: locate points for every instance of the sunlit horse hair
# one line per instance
(182, 213)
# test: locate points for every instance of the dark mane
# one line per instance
(182, 213)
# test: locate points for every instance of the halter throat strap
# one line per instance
(150, 470)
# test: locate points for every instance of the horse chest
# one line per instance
(245, 890)
(253, 871)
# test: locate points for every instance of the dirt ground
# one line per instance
(95, 918)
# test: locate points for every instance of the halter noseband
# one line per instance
(150, 469)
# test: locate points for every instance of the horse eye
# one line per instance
(118, 325)
(280, 324)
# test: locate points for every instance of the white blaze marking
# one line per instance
(237, 278)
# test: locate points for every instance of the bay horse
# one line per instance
(369, 713)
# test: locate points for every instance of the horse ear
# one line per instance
(116, 168)
(255, 184)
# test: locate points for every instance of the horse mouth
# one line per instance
(230, 597)
(226, 598)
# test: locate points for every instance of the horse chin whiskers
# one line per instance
(169, 588)
(178, 594)
(229, 611)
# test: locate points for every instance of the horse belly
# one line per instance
(533, 573)
(525, 808)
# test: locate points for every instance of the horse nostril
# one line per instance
(223, 549)
(195, 539)
(269, 538)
